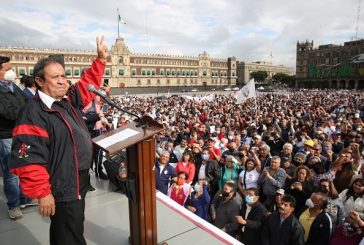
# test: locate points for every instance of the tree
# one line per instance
(259, 76)
(284, 78)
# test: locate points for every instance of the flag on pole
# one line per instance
(121, 20)
(246, 92)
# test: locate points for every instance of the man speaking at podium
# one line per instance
(52, 149)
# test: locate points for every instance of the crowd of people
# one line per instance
(284, 168)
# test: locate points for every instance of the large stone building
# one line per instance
(330, 66)
(246, 68)
(128, 69)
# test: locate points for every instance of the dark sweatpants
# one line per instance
(67, 223)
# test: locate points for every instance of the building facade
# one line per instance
(330, 66)
(246, 68)
(127, 69)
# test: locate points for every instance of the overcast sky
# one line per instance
(248, 30)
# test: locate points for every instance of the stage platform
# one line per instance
(107, 222)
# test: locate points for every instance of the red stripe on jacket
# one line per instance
(29, 129)
(34, 180)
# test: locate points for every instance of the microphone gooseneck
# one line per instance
(100, 93)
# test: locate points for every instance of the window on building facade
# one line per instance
(168, 72)
(178, 73)
(205, 73)
(31, 72)
(76, 72)
(121, 72)
(143, 72)
(21, 72)
(153, 72)
(68, 72)
(133, 72)
(196, 73)
(173, 72)
(107, 72)
(183, 73)
(148, 72)
(161, 72)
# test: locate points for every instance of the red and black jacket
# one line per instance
(47, 150)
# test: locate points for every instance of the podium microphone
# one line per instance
(96, 91)
(103, 95)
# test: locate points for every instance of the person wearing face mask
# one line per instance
(180, 189)
(224, 210)
(252, 216)
(315, 221)
(208, 169)
(198, 200)
(334, 205)
(12, 99)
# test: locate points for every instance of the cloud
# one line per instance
(248, 30)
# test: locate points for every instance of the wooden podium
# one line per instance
(140, 151)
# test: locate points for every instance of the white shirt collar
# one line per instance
(31, 90)
(47, 100)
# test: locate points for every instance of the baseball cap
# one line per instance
(280, 191)
(309, 143)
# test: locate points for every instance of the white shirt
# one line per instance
(46, 99)
(248, 209)
(251, 178)
(201, 173)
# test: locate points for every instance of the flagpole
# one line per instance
(118, 23)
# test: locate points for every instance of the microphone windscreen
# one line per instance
(91, 88)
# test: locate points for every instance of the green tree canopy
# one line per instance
(259, 76)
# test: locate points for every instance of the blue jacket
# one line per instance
(162, 179)
(201, 203)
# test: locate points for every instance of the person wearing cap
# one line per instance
(337, 143)
(215, 153)
(277, 201)
(286, 164)
(308, 146)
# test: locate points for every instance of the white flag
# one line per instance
(246, 92)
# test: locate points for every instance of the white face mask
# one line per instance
(9, 76)
(309, 203)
